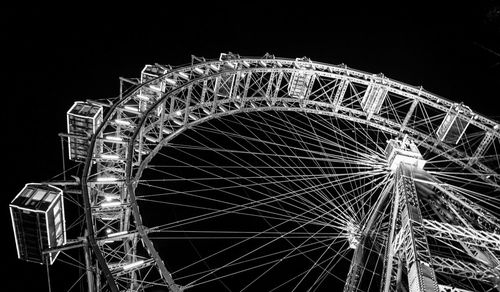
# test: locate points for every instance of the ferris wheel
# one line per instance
(273, 174)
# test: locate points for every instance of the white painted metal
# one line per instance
(143, 120)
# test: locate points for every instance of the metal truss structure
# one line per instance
(434, 234)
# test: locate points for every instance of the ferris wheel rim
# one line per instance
(418, 93)
(487, 122)
(376, 122)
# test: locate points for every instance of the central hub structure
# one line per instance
(403, 151)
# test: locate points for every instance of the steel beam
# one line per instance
(481, 149)
(409, 114)
(446, 288)
(421, 276)
(339, 94)
(464, 269)
(343, 74)
(459, 233)
(355, 269)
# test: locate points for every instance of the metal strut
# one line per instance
(92, 241)
(88, 219)
(172, 286)
(407, 230)
(355, 270)
(412, 236)
(421, 275)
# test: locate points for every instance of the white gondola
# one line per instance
(37, 214)
(299, 82)
(83, 119)
(373, 99)
(454, 125)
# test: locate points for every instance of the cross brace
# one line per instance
(459, 233)
(481, 149)
(446, 288)
(463, 269)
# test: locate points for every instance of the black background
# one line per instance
(57, 55)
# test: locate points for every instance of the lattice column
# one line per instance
(407, 233)
(421, 275)
(355, 269)
(389, 280)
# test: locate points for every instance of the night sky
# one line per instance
(58, 55)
